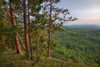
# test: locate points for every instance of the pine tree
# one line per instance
(13, 24)
(55, 20)
(26, 30)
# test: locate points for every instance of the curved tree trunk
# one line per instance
(21, 42)
(13, 24)
(17, 44)
(7, 9)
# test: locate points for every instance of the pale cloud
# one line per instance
(94, 18)
(90, 11)
(87, 11)
(95, 0)
(90, 16)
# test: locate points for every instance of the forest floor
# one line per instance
(11, 59)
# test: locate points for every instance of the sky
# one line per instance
(87, 11)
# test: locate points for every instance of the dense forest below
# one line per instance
(78, 44)
(32, 35)
(85, 26)
(74, 47)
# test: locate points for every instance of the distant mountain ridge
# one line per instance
(87, 27)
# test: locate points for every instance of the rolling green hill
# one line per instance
(80, 45)
(11, 59)
(75, 48)
(86, 27)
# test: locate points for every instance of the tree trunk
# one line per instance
(17, 44)
(13, 24)
(3, 41)
(30, 39)
(41, 46)
(1, 46)
(10, 20)
(50, 28)
(26, 30)
(21, 42)
(7, 11)
(36, 43)
(9, 43)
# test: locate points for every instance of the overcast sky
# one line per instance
(87, 11)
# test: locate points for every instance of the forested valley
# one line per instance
(80, 44)
(32, 35)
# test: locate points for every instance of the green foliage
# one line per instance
(17, 60)
(78, 44)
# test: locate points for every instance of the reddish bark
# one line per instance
(17, 44)
(3, 41)
(30, 39)
(13, 24)
(26, 30)
(7, 9)
(21, 42)
(9, 43)
(1, 46)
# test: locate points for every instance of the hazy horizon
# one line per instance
(87, 11)
(82, 24)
